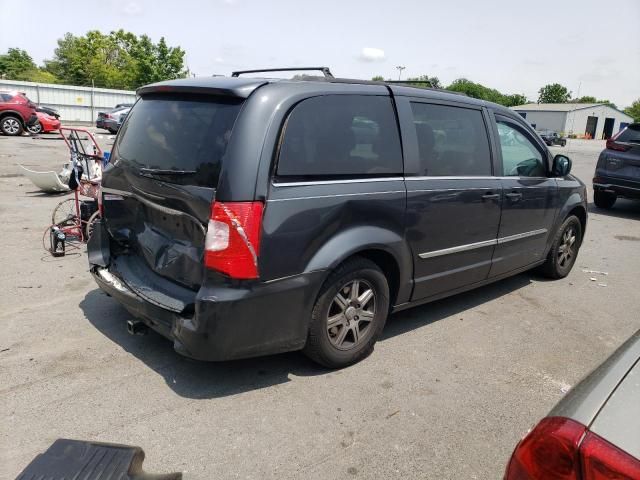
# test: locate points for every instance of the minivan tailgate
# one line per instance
(167, 237)
(158, 190)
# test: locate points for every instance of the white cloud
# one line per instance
(132, 8)
(369, 54)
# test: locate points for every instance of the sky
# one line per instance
(590, 46)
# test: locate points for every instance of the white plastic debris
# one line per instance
(597, 272)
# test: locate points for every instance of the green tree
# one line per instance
(426, 81)
(477, 90)
(16, 64)
(584, 99)
(554, 93)
(514, 100)
(377, 78)
(634, 110)
(117, 60)
(591, 99)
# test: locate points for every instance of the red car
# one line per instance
(46, 123)
(17, 112)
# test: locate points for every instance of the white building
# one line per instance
(598, 120)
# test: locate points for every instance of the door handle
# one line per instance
(514, 196)
(490, 196)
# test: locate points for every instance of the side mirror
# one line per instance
(561, 166)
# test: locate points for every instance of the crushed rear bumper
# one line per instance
(220, 321)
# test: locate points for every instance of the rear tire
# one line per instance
(564, 250)
(604, 199)
(349, 314)
(11, 125)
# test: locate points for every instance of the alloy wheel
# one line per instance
(567, 249)
(351, 314)
(11, 126)
(35, 128)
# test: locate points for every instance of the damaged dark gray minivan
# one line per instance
(248, 216)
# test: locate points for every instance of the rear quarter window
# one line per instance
(335, 136)
(185, 134)
(631, 134)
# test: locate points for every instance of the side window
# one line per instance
(5, 97)
(341, 135)
(452, 141)
(520, 157)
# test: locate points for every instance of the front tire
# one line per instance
(35, 129)
(564, 250)
(11, 126)
(349, 314)
(604, 199)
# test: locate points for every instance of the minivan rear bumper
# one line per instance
(228, 322)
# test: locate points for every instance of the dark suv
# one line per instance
(618, 170)
(17, 113)
(247, 216)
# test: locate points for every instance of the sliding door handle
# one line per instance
(490, 196)
(514, 196)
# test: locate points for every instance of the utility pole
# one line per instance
(400, 69)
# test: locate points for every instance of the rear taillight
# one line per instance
(232, 243)
(563, 449)
(613, 145)
(604, 461)
(549, 452)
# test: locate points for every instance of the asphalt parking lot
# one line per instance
(447, 393)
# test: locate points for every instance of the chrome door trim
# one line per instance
(459, 248)
(486, 243)
(519, 236)
(337, 182)
(486, 177)
(335, 195)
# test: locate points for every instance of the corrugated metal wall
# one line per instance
(577, 120)
(545, 120)
(76, 104)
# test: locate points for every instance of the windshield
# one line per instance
(182, 138)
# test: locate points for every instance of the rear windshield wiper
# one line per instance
(159, 171)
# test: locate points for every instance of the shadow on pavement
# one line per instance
(623, 208)
(200, 380)
(423, 315)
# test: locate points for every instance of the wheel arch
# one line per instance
(387, 249)
(13, 113)
(581, 212)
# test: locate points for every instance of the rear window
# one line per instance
(187, 135)
(630, 135)
(337, 136)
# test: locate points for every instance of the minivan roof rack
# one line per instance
(325, 70)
